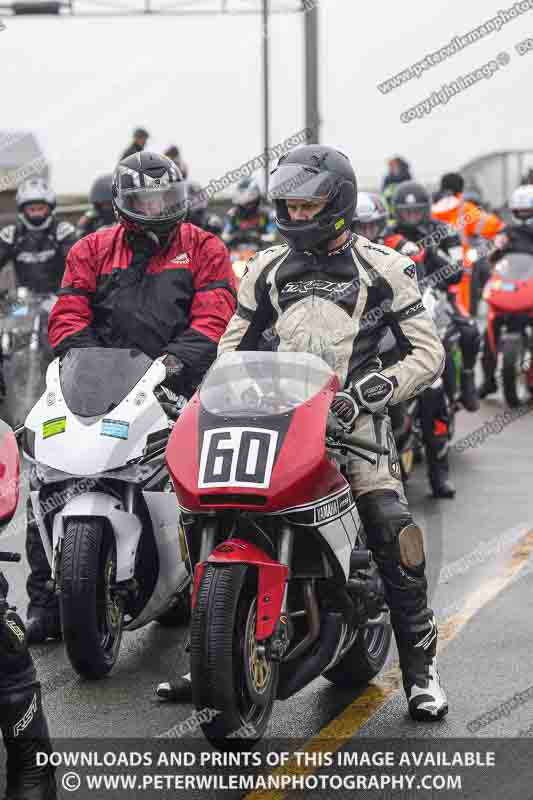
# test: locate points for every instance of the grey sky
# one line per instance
(83, 84)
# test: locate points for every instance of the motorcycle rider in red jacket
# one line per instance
(151, 282)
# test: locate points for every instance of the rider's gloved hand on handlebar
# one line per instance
(345, 409)
(371, 393)
(174, 379)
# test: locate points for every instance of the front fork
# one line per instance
(278, 644)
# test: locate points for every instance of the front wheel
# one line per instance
(92, 616)
(516, 362)
(232, 683)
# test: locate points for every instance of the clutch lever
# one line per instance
(344, 449)
(365, 444)
(340, 437)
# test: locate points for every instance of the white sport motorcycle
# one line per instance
(103, 502)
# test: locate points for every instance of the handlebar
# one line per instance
(363, 444)
(341, 437)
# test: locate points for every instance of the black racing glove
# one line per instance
(174, 379)
(345, 409)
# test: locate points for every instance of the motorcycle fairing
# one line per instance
(271, 576)
(325, 509)
(302, 472)
(77, 447)
(9, 473)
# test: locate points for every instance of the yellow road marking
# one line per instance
(343, 728)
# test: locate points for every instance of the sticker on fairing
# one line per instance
(54, 426)
(115, 428)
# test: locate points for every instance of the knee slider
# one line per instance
(411, 545)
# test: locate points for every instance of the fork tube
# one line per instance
(285, 557)
(208, 539)
(129, 496)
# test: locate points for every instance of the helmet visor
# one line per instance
(297, 182)
(412, 214)
(370, 230)
(522, 213)
(154, 203)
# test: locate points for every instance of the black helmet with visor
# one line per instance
(150, 195)
(320, 175)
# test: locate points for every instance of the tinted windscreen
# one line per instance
(262, 384)
(515, 267)
(94, 380)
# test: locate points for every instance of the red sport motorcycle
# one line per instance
(273, 534)
(509, 295)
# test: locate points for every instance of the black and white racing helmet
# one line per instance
(35, 203)
(371, 215)
(247, 196)
(521, 205)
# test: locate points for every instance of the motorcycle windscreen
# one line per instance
(515, 267)
(252, 384)
(94, 380)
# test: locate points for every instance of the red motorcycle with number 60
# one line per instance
(273, 535)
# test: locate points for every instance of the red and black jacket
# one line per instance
(178, 302)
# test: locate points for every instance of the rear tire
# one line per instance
(514, 372)
(364, 659)
(227, 675)
(91, 617)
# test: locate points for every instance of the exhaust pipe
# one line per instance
(295, 677)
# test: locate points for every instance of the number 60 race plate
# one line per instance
(240, 457)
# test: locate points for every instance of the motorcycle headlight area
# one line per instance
(132, 473)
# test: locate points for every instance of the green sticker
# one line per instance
(54, 426)
(339, 224)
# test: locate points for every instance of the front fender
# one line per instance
(126, 527)
(272, 577)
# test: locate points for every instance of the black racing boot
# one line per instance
(416, 639)
(469, 395)
(489, 386)
(177, 691)
(438, 473)
(22, 719)
(25, 734)
(42, 624)
(43, 611)
(488, 363)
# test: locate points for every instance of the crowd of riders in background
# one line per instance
(451, 224)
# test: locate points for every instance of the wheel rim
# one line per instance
(111, 612)
(408, 460)
(255, 674)
(259, 670)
